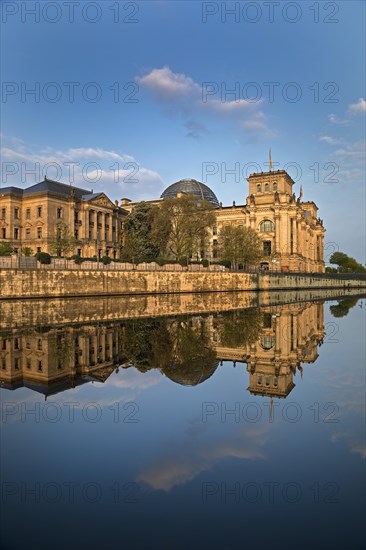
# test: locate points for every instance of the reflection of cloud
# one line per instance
(196, 455)
(354, 446)
(357, 108)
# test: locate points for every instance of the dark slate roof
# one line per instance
(194, 187)
(14, 190)
(52, 186)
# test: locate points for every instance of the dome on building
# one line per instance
(194, 187)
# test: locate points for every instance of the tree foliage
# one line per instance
(62, 241)
(346, 264)
(138, 245)
(239, 245)
(180, 227)
(6, 249)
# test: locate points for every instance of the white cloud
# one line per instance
(330, 140)
(230, 106)
(184, 96)
(334, 119)
(115, 174)
(359, 107)
(164, 82)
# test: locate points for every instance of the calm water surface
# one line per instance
(213, 430)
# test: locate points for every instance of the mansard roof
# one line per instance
(52, 186)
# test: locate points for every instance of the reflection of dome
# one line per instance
(190, 376)
(195, 187)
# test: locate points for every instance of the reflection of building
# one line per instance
(292, 235)
(53, 360)
(289, 336)
(186, 349)
(31, 217)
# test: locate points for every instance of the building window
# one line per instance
(266, 226)
(39, 344)
(27, 233)
(267, 248)
(76, 234)
(39, 249)
(214, 230)
(259, 188)
(27, 213)
(16, 233)
(267, 342)
(3, 233)
(16, 363)
(40, 368)
(28, 363)
(39, 232)
(39, 211)
(16, 213)
(267, 320)
(266, 187)
(3, 213)
(275, 187)
(59, 213)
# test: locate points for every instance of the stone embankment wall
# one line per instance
(43, 283)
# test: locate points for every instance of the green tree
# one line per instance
(62, 241)
(180, 227)
(6, 249)
(346, 264)
(138, 245)
(239, 245)
(26, 251)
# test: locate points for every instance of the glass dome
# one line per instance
(194, 187)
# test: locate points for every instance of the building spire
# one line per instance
(270, 160)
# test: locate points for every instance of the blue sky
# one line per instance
(132, 96)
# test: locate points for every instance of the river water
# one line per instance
(214, 422)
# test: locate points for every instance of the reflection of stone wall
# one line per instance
(63, 311)
(18, 283)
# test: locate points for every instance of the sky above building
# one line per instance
(129, 97)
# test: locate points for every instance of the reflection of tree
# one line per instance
(343, 307)
(61, 346)
(192, 359)
(180, 348)
(238, 328)
(145, 343)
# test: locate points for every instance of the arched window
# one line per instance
(267, 225)
(267, 342)
(275, 186)
(266, 187)
(259, 188)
